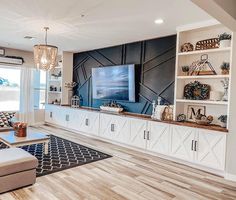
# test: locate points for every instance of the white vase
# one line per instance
(223, 124)
(70, 95)
(225, 43)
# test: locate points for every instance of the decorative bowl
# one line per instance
(111, 109)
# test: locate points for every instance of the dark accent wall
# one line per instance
(156, 59)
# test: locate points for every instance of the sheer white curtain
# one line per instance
(26, 113)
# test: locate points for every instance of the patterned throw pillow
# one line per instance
(5, 118)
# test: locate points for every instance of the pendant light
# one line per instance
(45, 56)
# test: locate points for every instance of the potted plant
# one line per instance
(185, 70)
(223, 120)
(224, 68)
(225, 40)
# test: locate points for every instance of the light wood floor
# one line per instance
(127, 175)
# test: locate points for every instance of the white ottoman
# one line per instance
(17, 169)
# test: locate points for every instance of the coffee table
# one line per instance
(11, 140)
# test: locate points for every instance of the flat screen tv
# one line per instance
(114, 83)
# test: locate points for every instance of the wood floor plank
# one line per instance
(128, 175)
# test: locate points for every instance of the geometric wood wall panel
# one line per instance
(156, 59)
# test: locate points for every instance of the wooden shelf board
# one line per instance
(202, 102)
(55, 80)
(204, 77)
(204, 51)
(54, 92)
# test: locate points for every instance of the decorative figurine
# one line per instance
(225, 84)
(153, 109)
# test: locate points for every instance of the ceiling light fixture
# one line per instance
(45, 56)
(159, 21)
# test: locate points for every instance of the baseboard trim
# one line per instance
(230, 177)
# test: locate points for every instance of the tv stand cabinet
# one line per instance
(186, 144)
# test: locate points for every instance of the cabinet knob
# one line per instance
(67, 118)
(87, 122)
(144, 135)
(192, 145)
(112, 127)
(195, 146)
(148, 135)
(50, 114)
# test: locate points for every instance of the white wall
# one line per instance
(27, 55)
(67, 74)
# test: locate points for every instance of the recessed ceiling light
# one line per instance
(29, 37)
(159, 21)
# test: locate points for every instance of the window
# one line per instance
(9, 88)
(39, 89)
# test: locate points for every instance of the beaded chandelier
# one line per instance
(45, 56)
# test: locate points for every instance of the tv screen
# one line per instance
(114, 83)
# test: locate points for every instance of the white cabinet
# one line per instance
(74, 120)
(114, 127)
(89, 122)
(210, 148)
(182, 142)
(49, 114)
(83, 121)
(138, 133)
(204, 147)
(198, 146)
(56, 115)
(158, 137)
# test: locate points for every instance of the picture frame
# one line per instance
(193, 111)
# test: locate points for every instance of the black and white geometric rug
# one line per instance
(63, 154)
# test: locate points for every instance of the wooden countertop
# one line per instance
(148, 117)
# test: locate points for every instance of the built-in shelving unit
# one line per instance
(216, 57)
(56, 92)
(54, 84)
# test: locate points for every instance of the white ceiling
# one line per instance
(105, 22)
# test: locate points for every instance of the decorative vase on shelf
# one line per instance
(224, 72)
(70, 95)
(223, 121)
(225, 67)
(225, 40)
(225, 43)
(70, 86)
(223, 124)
